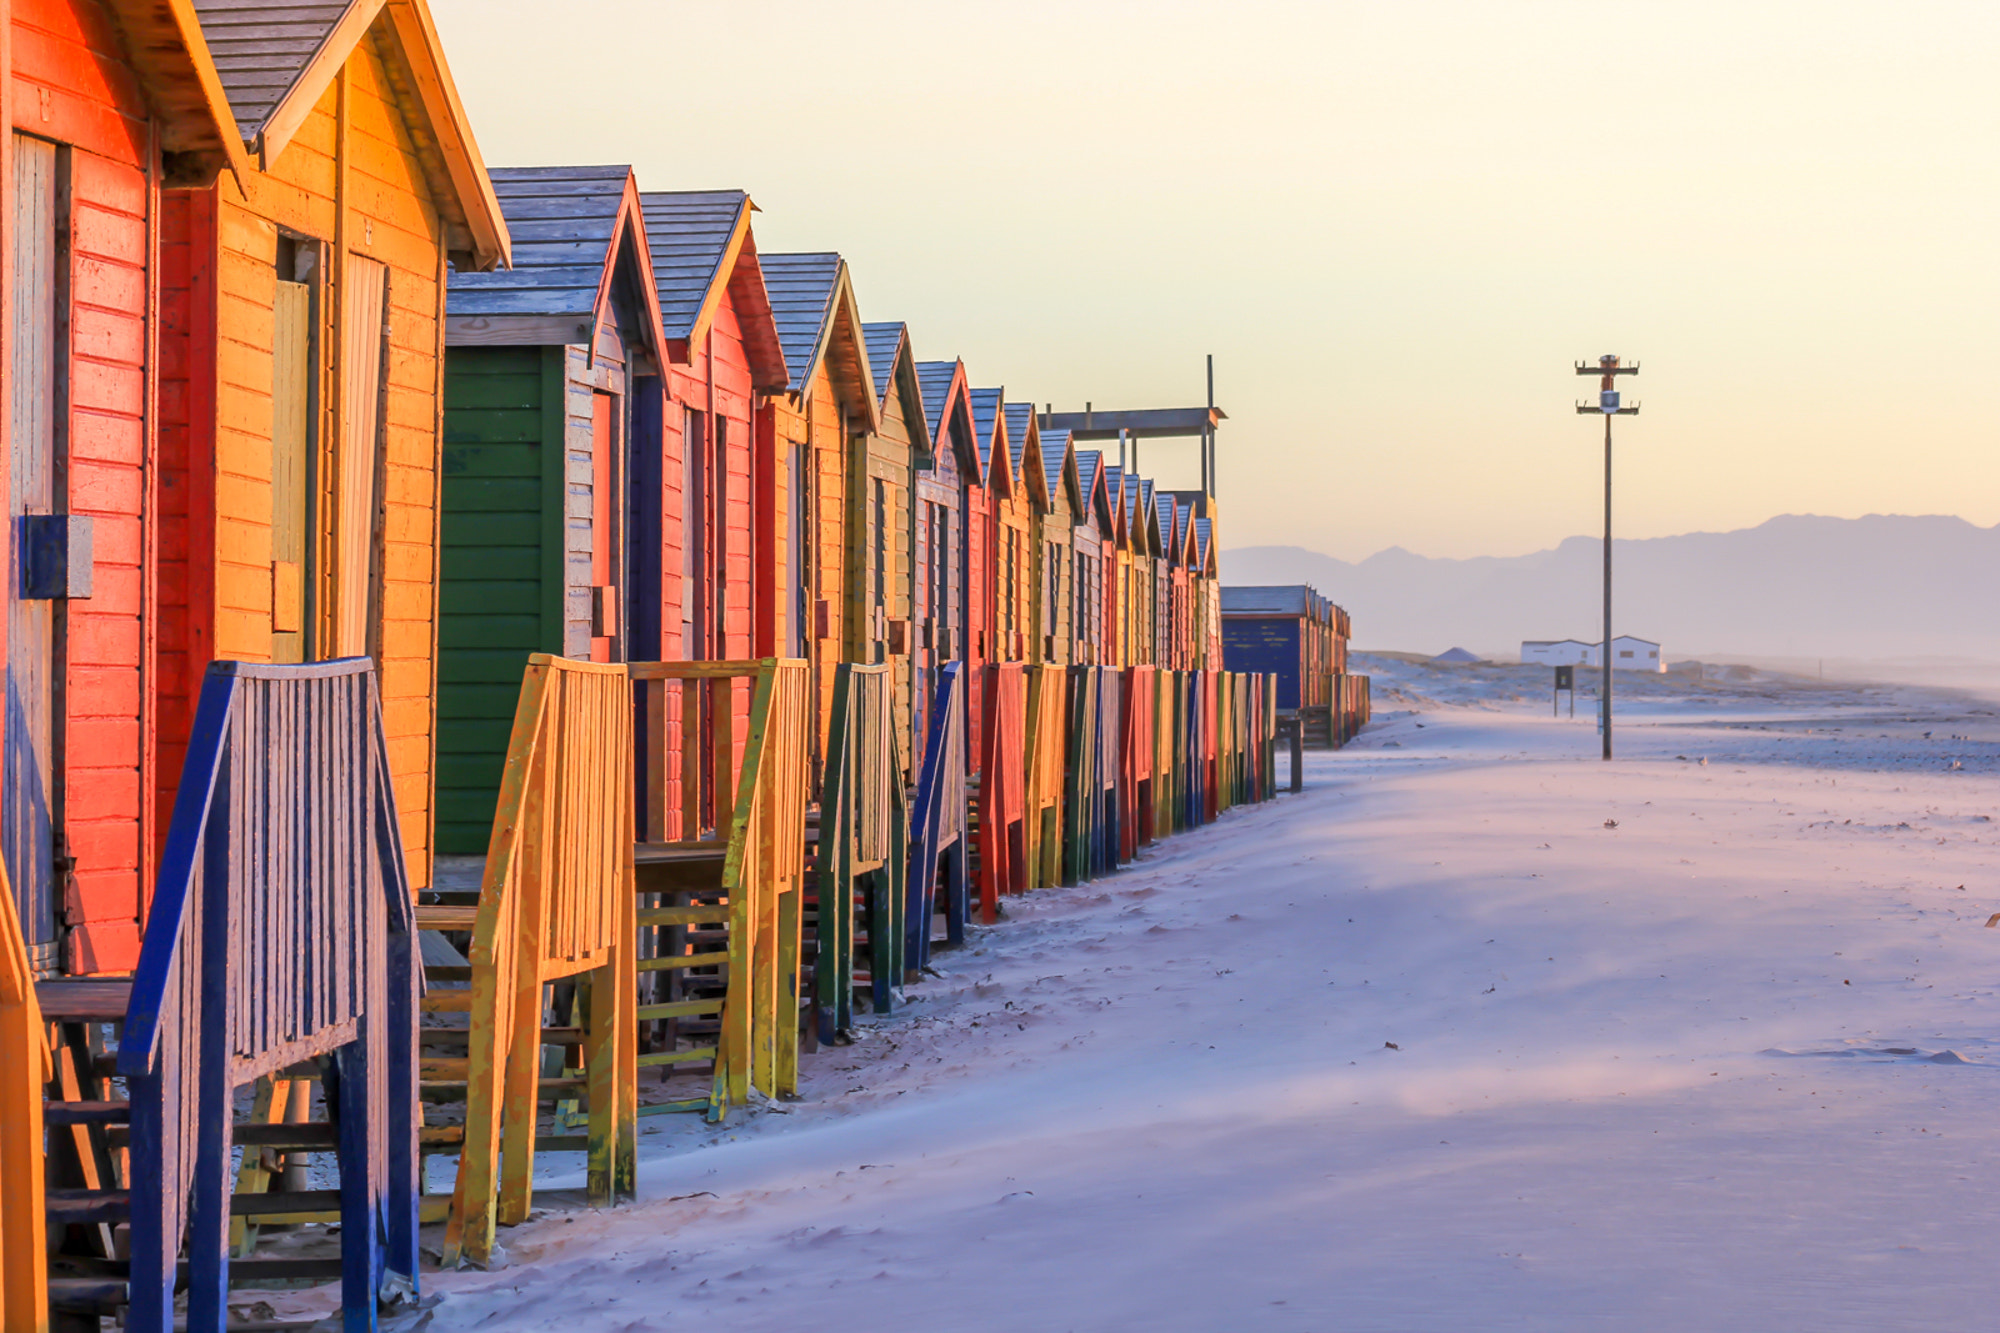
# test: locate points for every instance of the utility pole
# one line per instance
(1608, 406)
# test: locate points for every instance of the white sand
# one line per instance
(1640, 1082)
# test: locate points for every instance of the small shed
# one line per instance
(1090, 539)
(1044, 588)
(303, 356)
(546, 447)
(1557, 652)
(941, 567)
(1288, 630)
(828, 406)
(881, 546)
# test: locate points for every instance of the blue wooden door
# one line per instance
(27, 771)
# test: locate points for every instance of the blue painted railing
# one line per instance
(281, 930)
(938, 824)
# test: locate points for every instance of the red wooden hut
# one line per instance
(110, 104)
(723, 356)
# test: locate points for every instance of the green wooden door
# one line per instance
(500, 594)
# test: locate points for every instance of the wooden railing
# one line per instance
(25, 1065)
(281, 931)
(863, 846)
(557, 902)
(1045, 761)
(744, 741)
(1002, 777)
(940, 823)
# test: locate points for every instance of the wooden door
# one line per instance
(603, 527)
(357, 460)
(27, 779)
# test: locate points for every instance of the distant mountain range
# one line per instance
(1887, 587)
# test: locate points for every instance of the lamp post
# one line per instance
(1608, 406)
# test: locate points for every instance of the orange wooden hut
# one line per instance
(801, 469)
(1091, 556)
(112, 108)
(302, 366)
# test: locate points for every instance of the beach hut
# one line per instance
(801, 470)
(723, 353)
(1053, 541)
(1021, 521)
(941, 532)
(546, 448)
(882, 539)
(1089, 554)
(1011, 490)
(1117, 569)
(989, 424)
(112, 110)
(301, 366)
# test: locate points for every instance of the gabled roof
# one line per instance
(1114, 500)
(1059, 468)
(275, 59)
(198, 134)
(1204, 547)
(946, 399)
(989, 425)
(1092, 490)
(1024, 451)
(575, 230)
(703, 249)
(813, 303)
(893, 367)
(1164, 508)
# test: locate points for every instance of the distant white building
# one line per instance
(1557, 652)
(1630, 654)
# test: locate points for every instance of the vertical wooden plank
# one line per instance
(291, 402)
(362, 340)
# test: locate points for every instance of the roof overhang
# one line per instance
(198, 132)
(1139, 424)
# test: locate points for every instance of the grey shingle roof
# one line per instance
(261, 47)
(802, 290)
(1201, 538)
(986, 417)
(1089, 462)
(562, 220)
(688, 232)
(884, 341)
(1020, 425)
(1289, 599)
(935, 379)
(1055, 449)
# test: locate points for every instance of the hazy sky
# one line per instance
(1396, 225)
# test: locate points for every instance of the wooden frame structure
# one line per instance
(940, 829)
(882, 538)
(864, 843)
(941, 570)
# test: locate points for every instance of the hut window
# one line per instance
(294, 361)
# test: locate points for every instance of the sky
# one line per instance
(1396, 227)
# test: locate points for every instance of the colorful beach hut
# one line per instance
(111, 110)
(302, 364)
(801, 477)
(548, 545)
(941, 532)
(1090, 541)
(882, 540)
(723, 354)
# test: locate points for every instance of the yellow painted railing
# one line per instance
(746, 801)
(557, 902)
(1046, 732)
(25, 1065)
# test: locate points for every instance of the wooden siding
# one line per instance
(885, 458)
(389, 216)
(73, 84)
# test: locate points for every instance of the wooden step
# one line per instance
(87, 1295)
(450, 918)
(292, 1201)
(86, 1113)
(84, 999)
(65, 1207)
(680, 961)
(314, 1134)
